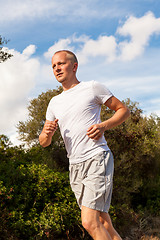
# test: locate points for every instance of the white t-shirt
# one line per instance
(77, 109)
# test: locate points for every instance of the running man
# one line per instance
(77, 113)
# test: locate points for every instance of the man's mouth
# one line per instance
(59, 74)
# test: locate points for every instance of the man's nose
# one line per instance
(57, 68)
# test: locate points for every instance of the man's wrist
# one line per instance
(104, 126)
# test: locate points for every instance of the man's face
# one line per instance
(63, 68)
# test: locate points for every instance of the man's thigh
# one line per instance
(91, 181)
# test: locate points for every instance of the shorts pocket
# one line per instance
(99, 158)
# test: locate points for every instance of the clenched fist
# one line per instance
(50, 127)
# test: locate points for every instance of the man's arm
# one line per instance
(121, 114)
(47, 133)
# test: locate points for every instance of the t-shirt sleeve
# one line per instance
(49, 113)
(101, 92)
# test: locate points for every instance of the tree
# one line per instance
(4, 142)
(29, 131)
(35, 201)
(4, 55)
(135, 145)
(136, 148)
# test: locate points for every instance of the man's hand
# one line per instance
(47, 133)
(121, 114)
(50, 127)
(95, 131)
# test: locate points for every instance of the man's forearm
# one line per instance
(47, 133)
(119, 117)
(45, 139)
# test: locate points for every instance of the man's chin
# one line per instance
(60, 80)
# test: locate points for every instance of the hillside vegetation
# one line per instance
(36, 201)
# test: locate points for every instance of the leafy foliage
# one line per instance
(30, 130)
(35, 195)
(35, 200)
(135, 144)
(4, 55)
(136, 148)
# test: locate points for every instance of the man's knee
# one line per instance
(90, 219)
(105, 223)
(90, 224)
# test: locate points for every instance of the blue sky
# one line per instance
(117, 43)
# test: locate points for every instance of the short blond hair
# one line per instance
(70, 54)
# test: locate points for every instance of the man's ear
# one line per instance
(75, 67)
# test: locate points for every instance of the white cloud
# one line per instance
(139, 30)
(28, 51)
(136, 86)
(144, 90)
(17, 78)
(71, 10)
(19, 75)
(20, 10)
(60, 45)
(104, 46)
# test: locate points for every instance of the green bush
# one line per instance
(36, 200)
(39, 204)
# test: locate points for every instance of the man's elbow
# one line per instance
(128, 113)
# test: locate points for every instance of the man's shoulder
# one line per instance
(56, 97)
(91, 83)
(88, 83)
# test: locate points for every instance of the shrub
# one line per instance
(39, 204)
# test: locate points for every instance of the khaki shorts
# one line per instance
(92, 181)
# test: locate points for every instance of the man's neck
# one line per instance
(67, 85)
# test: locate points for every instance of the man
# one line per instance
(77, 112)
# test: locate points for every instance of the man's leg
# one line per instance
(106, 221)
(91, 222)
